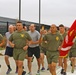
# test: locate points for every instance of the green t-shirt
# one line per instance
(74, 45)
(63, 35)
(53, 41)
(20, 38)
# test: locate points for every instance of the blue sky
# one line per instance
(52, 11)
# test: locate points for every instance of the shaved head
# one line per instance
(11, 26)
(53, 28)
(53, 25)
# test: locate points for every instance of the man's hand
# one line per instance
(42, 32)
(12, 45)
(59, 48)
(46, 42)
(25, 47)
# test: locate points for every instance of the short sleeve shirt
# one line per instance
(20, 38)
(74, 45)
(8, 34)
(35, 37)
(53, 41)
(64, 35)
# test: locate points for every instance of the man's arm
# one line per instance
(39, 38)
(10, 41)
(27, 44)
(11, 44)
(2, 40)
(2, 43)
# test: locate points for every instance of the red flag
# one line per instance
(68, 40)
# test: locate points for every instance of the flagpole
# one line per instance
(39, 13)
(19, 10)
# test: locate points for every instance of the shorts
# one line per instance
(34, 51)
(43, 50)
(52, 56)
(9, 51)
(19, 54)
(72, 53)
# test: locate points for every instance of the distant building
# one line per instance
(4, 22)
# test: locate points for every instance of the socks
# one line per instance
(8, 66)
(16, 67)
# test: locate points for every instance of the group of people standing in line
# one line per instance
(23, 44)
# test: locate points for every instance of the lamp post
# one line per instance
(19, 10)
